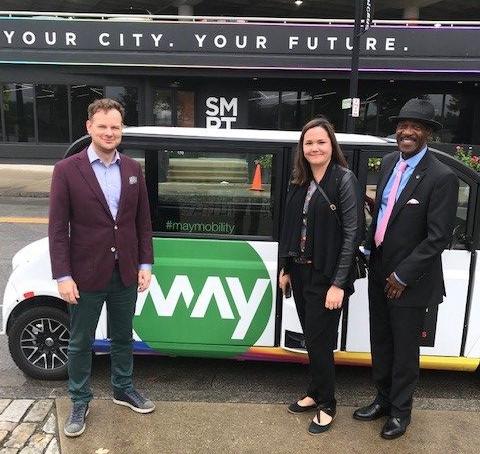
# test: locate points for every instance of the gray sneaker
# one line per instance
(133, 399)
(75, 424)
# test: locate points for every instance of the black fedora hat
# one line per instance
(419, 110)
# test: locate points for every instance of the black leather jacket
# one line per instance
(333, 236)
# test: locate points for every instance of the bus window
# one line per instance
(460, 230)
(214, 193)
(373, 167)
(138, 154)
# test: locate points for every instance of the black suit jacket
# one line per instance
(417, 233)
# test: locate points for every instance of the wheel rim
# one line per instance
(44, 343)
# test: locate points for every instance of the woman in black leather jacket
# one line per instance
(317, 248)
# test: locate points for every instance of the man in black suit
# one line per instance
(412, 224)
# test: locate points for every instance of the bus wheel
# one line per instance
(38, 342)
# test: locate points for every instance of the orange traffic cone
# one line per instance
(257, 179)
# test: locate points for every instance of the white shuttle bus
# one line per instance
(217, 201)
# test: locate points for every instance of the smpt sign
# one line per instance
(221, 112)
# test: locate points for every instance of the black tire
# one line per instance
(38, 341)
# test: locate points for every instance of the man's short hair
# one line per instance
(105, 104)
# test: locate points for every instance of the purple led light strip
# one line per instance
(410, 70)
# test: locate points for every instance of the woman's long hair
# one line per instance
(302, 172)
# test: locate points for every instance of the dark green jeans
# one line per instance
(120, 301)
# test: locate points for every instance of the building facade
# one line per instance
(226, 72)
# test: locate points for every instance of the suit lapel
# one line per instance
(124, 180)
(88, 174)
(412, 183)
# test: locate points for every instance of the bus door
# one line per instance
(215, 219)
(443, 331)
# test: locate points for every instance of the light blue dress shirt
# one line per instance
(411, 164)
(108, 177)
(110, 181)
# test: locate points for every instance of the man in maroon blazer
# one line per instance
(101, 251)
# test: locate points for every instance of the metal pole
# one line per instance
(354, 65)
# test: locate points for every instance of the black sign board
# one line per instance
(237, 45)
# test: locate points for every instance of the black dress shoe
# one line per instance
(295, 408)
(370, 412)
(394, 427)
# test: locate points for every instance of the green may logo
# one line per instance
(212, 292)
(206, 296)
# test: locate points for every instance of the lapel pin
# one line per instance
(417, 176)
(132, 180)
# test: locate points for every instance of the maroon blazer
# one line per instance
(77, 204)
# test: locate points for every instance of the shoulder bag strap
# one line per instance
(331, 205)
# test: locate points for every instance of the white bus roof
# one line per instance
(256, 135)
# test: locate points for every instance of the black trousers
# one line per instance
(320, 328)
(395, 342)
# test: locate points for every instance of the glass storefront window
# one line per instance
(162, 108)
(81, 96)
(52, 113)
(18, 112)
(437, 100)
(263, 109)
(128, 98)
(328, 103)
(390, 105)
(367, 121)
(458, 118)
(186, 109)
(296, 109)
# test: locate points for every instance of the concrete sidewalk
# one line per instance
(36, 427)
(25, 180)
(199, 427)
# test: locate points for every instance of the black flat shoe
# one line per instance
(316, 429)
(295, 408)
(370, 412)
(394, 427)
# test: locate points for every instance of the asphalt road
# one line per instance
(193, 379)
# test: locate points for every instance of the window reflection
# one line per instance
(186, 109)
(81, 96)
(52, 113)
(162, 108)
(263, 109)
(296, 109)
(460, 229)
(390, 105)
(215, 193)
(459, 114)
(128, 98)
(18, 111)
(437, 101)
(367, 121)
(328, 103)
